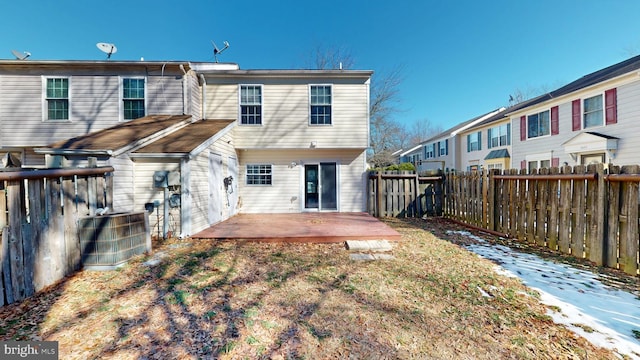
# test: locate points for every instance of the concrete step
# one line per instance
(368, 245)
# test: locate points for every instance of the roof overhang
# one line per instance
(498, 154)
(588, 142)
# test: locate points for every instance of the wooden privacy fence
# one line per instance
(404, 194)
(39, 211)
(586, 211)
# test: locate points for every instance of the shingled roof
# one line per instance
(153, 134)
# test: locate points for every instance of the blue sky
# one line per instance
(459, 59)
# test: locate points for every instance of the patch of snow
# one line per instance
(610, 315)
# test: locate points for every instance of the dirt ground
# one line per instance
(238, 300)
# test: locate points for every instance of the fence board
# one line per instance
(613, 214)
(577, 214)
(5, 269)
(70, 216)
(15, 203)
(564, 223)
(531, 214)
(552, 231)
(541, 210)
(3, 209)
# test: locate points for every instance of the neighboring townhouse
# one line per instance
(595, 119)
(446, 151)
(42, 102)
(203, 140)
(487, 144)
(301, 136)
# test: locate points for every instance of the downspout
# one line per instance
(204, 96)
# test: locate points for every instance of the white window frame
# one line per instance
(45, 102)
(583, 115)
(548, 126)
(330, 86)
(497, 130)
(240, 104)
(429, 152)
(121, 95)
(442, 151)
(477, 135)
(246, 174)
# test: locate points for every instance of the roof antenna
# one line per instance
(217, 51)
(21, 55)
(107, 48)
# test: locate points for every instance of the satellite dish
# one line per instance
(107, 49)
(217, 51)
(21, 56)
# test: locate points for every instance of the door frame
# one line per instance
(303, 185)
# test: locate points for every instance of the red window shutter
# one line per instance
(611, 106)
(523, 128)
(554, 121)
(523, 164)
(555, 162)
(576, 115)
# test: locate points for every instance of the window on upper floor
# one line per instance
(538, 124)
(320, 104)
(593, 112)
(251, 104)
(429, 151)
(499, 135)
(443, 147)
(259, 174)
(133, 101)
(473, 142)
(57, 98)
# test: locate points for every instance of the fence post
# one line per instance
(379, 195)
(16, 214)
(489, 195)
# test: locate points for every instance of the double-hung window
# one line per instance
(320, 104)
(499, 136)
(473, 142)
(259, 174)
(593, 112)
(443, 147)
(251, 104)
(428, 151)
(133, 98)
(57, 98)
(538, 124)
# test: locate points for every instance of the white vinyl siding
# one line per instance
(94, 105)
(285, 195)
(123, 185)
(285, 116)
(145, 192)
(199, 183)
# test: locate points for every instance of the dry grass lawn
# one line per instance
(233, 300)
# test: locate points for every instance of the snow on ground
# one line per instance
(584, 301)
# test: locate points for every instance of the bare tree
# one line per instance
(331, 58)
(419, 131)
(387, 135)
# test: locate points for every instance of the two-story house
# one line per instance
(300, 135)
(592, 119)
